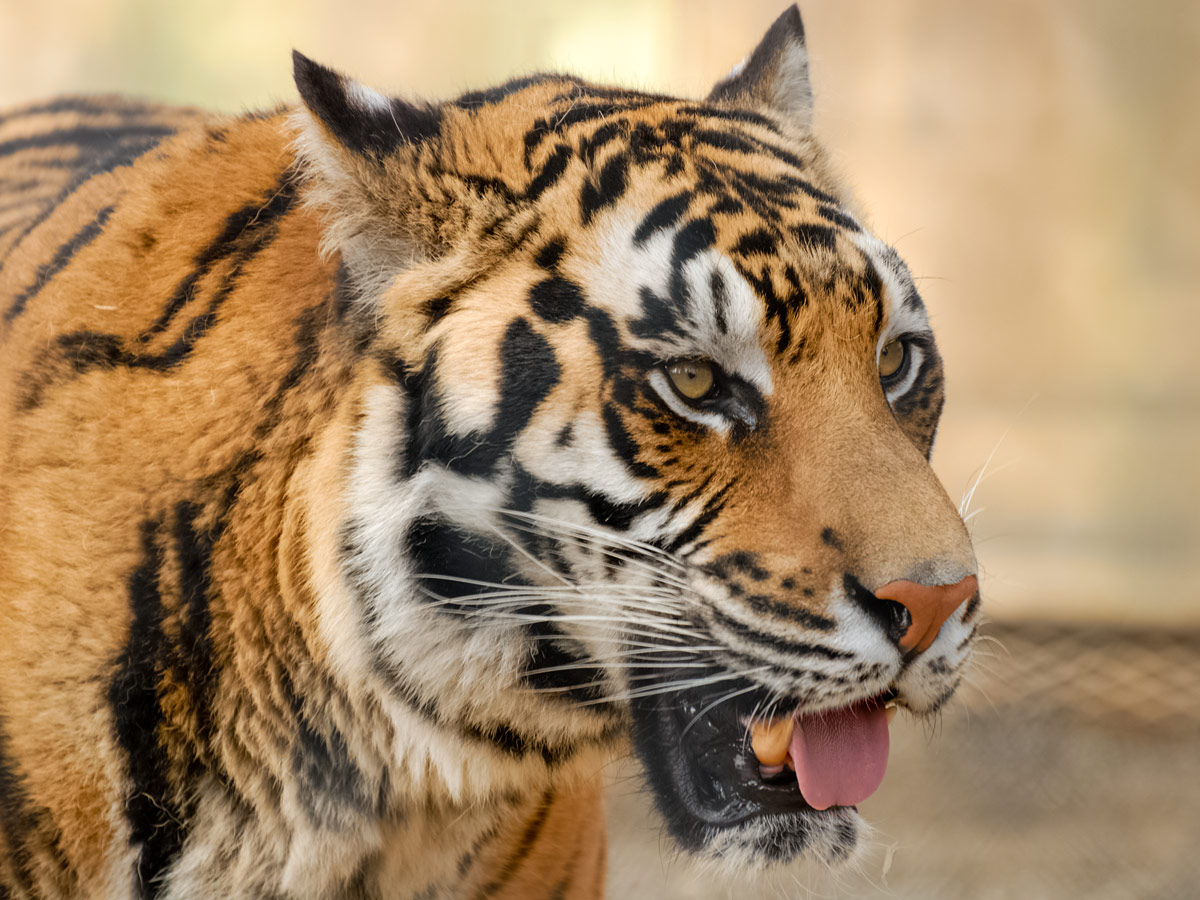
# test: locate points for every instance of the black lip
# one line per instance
(699, 763)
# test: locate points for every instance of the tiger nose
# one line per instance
(928, 607)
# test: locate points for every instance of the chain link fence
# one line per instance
(1069, 767)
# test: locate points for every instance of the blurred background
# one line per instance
(1037, 162)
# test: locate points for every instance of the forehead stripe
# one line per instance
(663, 216)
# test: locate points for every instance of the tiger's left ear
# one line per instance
(775, 75)
(359, 150)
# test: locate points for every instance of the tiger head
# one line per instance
(645, 447)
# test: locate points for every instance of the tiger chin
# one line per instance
(374, 472)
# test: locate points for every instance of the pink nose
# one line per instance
(929, 607)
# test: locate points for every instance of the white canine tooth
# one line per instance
(890, 711)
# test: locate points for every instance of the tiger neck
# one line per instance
(408, 776)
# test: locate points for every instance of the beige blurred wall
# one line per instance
(1037, 163)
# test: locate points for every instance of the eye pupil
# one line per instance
(692, 378)
(891, 358)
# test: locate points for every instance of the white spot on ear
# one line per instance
(365, 98)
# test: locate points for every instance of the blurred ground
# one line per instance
(1071, 770)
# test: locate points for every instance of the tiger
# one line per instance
(377, 471)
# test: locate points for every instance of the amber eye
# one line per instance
(891, 359)
(692, 378)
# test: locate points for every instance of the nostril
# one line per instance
(891, 616)
(899, 620)
(929, 606)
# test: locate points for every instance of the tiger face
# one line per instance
(646, 448)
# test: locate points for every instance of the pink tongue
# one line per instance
(840, 754)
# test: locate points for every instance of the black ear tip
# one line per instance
(313, 79)
(789, 24)
(301, 65)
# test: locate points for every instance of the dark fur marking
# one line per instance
(443, 552)
(797, 648)
(777, 609)
(151, 808)
(723, 140)
(548, 257)
(658, 319)
(814, 237)
(624, 445)
(522, 850)
(557, 299)
(62, 256)
(225, 246)
(85, 137)
(550, 172)
(760, 242)
(194, 656)
(86, 350)
(18, 821)
(330, 785)
(712, 508)
(437, 308)
(606, 190)
(115, 158)
(473, 100)
(693, 239)
(831, 538)
(664, 215)
(837, 217)
(557, 664)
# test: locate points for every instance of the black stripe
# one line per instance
(665, 214)
(62, 256)
(609, 187)
(82, 105)
(478, 99)
(690, 241)
(712, 508)
(556, 299)
(813, 237)
(796, 648)
(574, 678)
(837, 217)
(121, 156)
(731, 115)
(623, 444)
(151, 809)
(222, 247)
(194, 658)
(86, 350)
(777, 609)
(759, 242)
(524, 847)
(17, 820)
(550, 172)
(85, 137)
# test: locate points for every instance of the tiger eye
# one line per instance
(693, 378)
(891, 359)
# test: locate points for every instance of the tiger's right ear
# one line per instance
(359, 150)
(775, 74)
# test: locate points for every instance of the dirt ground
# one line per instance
(1027, 789)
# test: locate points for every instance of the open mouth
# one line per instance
(774, 786)
(836, 757)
